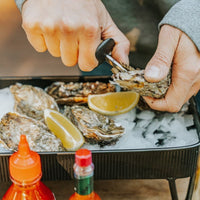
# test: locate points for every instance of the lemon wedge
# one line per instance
(113, 103)
(71, 138)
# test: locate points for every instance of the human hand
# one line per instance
(174, 49)
(72, 29)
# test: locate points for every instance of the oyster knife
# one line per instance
(103, 53)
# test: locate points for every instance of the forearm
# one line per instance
(185, 16)
(19, 4)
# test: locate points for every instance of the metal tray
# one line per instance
(156, 163)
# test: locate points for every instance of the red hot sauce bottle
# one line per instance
(25, 173)
(83, 174)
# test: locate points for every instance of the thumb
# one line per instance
(159, 65)
(122, 45)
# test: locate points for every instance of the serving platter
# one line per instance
(148, 163)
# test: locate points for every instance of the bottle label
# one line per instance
(84, 185)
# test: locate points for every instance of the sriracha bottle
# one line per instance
(25, 173)
(83, 173)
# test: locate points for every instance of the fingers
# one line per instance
(89, 40)
(185, 78)
(121, 49)
(53, 44)
(176, 96)
(167, 104)
(178, 91)
(37, 41)
(185, 83)
(33, 31)
(122, 44)
(194, 90)
(69, 50)
(158, 67)
(41, 42)
(74, 37)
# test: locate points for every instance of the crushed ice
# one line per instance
(148, 129)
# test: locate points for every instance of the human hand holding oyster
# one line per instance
(171, 77)
(175, 50)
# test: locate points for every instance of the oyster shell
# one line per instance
(3, 146)
(95, 127)
(38, 135)
(134, 80)
(74, 92)
(32, 101)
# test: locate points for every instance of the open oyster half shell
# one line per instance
(32, 101)
(39, 137)
(95, 127)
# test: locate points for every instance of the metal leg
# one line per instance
(194, 184)
(172, 186)
(190, 187)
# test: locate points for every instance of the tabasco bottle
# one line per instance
(25, 173)
(83, 174)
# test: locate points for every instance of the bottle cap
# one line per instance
(24, 165)
(83, 157)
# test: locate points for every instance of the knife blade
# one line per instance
(103, 53)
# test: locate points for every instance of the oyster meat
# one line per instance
(77, 92)
(134, 80)
(95, 127)
(32, 101)
(38, 135)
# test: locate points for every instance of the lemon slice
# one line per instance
(71, 138)
(113, 103)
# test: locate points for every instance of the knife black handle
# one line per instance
(104, 48)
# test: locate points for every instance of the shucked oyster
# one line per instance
(38, 135)
(32, 101)
(74, 92)
(134, 80)
(95, 127)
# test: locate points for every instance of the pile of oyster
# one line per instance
(71, 100)
(28, 115)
